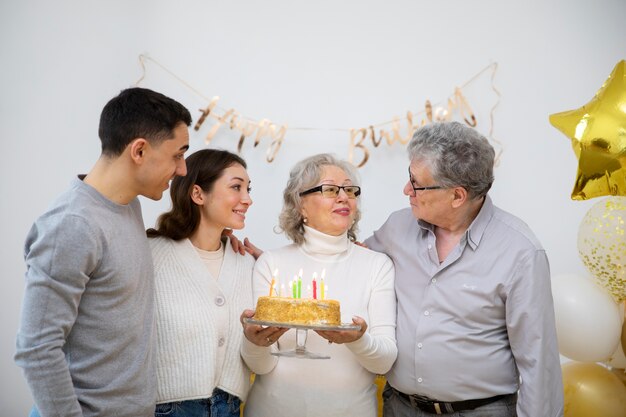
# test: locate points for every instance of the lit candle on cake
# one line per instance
(322, 286)
(282, 290)
(292, 287)
(314, 283)
(299, 285)
(273, 283)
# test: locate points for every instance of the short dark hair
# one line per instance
(204, 168)
(139, 113)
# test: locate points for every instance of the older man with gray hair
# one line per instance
(475, 326)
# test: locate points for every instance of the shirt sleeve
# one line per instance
(375, 242)
(60, 255)
(384, 237)
(376, 350)
(259, 358)
(532, 335)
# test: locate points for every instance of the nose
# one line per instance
(247, 199)
(342, 195)
(408, 189)
(181, 168)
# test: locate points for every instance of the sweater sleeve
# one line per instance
(376, 350)
(60, 255)
(258, 358)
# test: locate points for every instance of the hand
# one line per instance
(259, 335)
(345, 336)
(251, 249)
(234, 242)
(361, 244)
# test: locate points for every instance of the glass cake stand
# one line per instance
(300, 350)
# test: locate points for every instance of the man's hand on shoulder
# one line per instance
(242, 247)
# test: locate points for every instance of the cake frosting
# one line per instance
(298, 310)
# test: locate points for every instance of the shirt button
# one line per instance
(221, 342)
(433, 280)
(219, 300)
(419, 345)
(426, 313)
(419, 380)
(430, 247)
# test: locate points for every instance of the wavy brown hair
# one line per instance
(204, 168)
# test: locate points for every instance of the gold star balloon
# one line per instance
(598, 134)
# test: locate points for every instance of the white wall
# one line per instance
(320, 64)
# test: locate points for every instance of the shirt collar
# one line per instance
(476, 230)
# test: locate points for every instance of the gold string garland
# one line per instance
(265, 128)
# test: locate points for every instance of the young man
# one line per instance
(86, 337)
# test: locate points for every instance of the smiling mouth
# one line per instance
(240, 212)
(343, 212)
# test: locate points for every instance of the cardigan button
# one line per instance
(219, 300)
(221, 342)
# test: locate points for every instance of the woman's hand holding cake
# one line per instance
(260, 335)
(345, 336)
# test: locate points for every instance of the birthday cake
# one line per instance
(298, 310)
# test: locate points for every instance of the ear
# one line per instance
(459, 197)
(303, 213)
(197, 195)
(137, 150)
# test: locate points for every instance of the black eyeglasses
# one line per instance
(416, 189)
(332, 191)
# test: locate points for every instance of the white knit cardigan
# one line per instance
(189, 304)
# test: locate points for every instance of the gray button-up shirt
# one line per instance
(471, 326)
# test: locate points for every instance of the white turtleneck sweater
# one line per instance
(363, 281)
(199, 334)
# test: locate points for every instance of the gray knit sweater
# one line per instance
(86, 335)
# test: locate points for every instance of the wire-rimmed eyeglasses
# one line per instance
(332, 191)
(416, 189)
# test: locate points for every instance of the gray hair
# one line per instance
(458, 156)
(305, 175)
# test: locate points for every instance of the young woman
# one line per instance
(202, 286)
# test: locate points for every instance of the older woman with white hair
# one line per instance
(320, 215)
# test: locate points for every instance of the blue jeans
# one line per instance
(221, 404)
(34, 412)
(396, 406)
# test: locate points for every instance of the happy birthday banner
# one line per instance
(398, 130)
